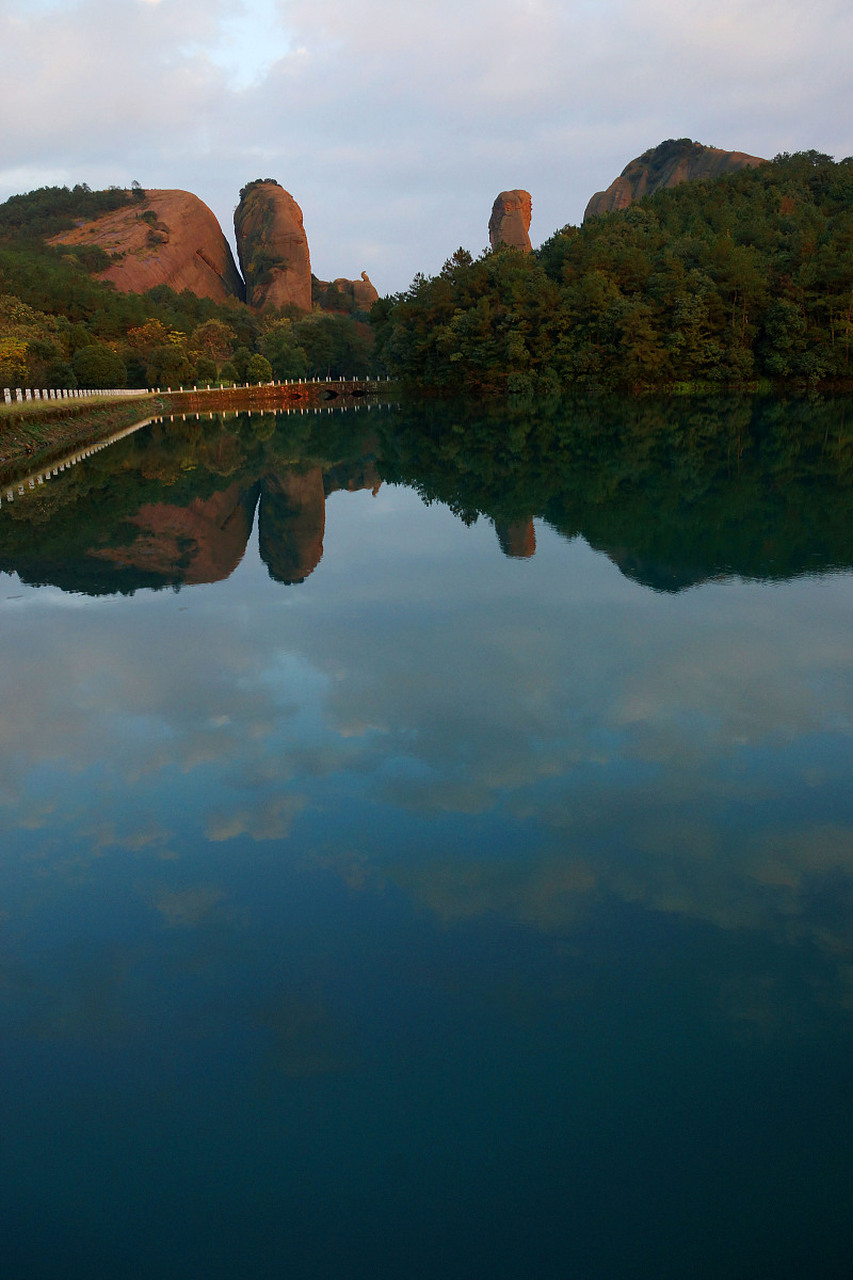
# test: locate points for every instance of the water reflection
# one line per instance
(176, 505)
(674, 493)
(451, 888)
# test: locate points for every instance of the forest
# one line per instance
(741, 282)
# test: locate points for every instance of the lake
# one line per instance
(428, 847)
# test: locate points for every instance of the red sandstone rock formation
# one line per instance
(517, 538)
(202, 542)
(364, 292)
(510, 220)
(672, 162)
(170, 237)
(291, 524)
(352, 295)
(273, 247)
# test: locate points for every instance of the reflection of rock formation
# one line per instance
(273, 248)
(292, 523)
(206, 540)
(144, 535)
(510, 220)
(202, 542)
(169, 238)
(353, 476)
(293, 515)
(517, 538)
(667, 165)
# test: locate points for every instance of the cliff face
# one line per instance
(273, 248)
(672, 162)
(171, 238)
(510, 220)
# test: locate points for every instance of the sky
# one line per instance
(395, 123)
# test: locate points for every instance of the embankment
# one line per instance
(34, 433)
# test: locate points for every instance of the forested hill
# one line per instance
(729, 282)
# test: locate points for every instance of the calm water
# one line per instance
(428, 849)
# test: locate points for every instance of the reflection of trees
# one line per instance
(675, 491)
(175, 504)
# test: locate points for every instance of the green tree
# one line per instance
(214, 339)
(258, 369)
(168, 366)
(99, 367)
(287, 358)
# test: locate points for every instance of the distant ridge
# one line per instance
(666, 165)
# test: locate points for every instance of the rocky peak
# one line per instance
(272, 247)
(510, 221)
(666, 165)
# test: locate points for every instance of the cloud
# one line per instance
(395, 125)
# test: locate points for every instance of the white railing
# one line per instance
(21, 394)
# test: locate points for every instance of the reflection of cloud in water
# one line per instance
(271, 821)
(147, 836)
(617, 723)
(303, 1039)
(796, 885)
(80, 997)
(38, 815)
(182, 908)
(547, 893)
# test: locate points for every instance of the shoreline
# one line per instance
(35, 434)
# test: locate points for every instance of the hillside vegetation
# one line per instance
(745, 279)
